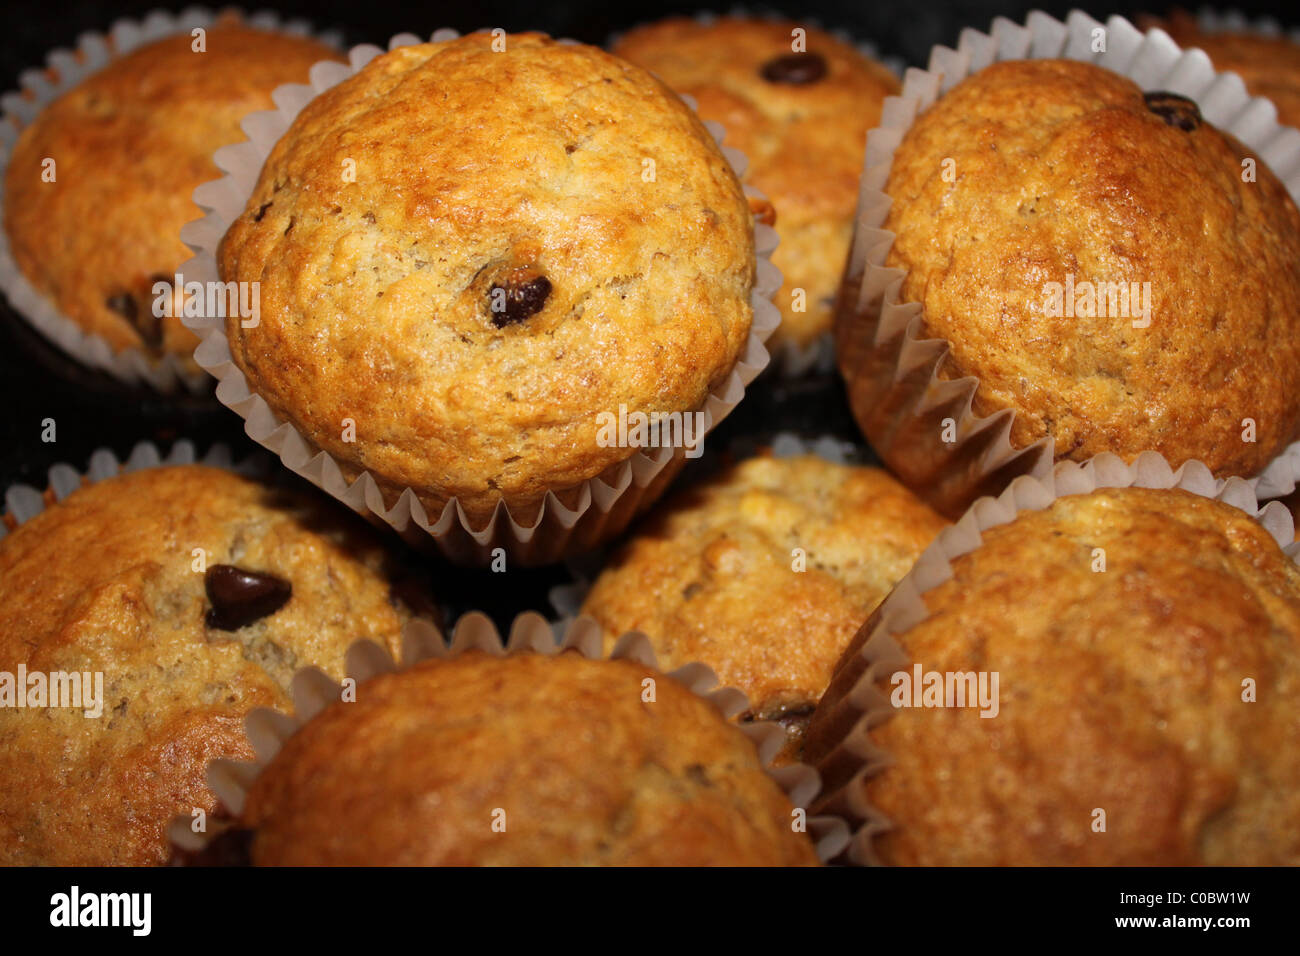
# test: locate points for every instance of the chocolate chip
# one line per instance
(517, 299)
(794, 69)
(147, 325)
(240, 597)
(232, 847)
(1177, 111)
(257, 216)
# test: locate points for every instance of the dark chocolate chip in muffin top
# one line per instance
(240, 597)
(794, 69)
(521, 295)
(1177, 111)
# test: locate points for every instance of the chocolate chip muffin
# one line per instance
(1268, 65)
(130, 144)
(801, 119)
(526, 760)
(196, 594)
(477, 255)
(1044, 212)
(765, 572)
(1147, 644)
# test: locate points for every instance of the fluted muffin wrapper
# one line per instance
(22, 502)
(1215, 21)
(567, 598)
(790, 359)
(854, 756)
(891, 368)
(605, 503)
(313, 691)
(37, 89)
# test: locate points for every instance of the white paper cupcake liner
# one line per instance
(855, 756)
(605, 504)
(791, 359)
(897, 396)
(1234, 21)
(566, 599)
(23, 502)
(38, 88)
(313, 691)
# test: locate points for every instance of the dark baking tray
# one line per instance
(91, 411)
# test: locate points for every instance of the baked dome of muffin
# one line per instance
(764, 573)
(526, 759)
(1121, 690)
(105, 581)
(801, 119)
(1065, 173)
(130, 144)
(1268, 65)
(533, 237)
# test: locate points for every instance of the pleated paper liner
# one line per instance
(891, 367)
(596, 510)
(851, 755)
(23, 502)
(791, 360)
(313, 691)
(64, 70)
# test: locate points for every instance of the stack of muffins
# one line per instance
(491, 292)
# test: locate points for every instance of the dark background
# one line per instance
(90, 412)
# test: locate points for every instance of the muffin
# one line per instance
(800, 118)
(106, 581)
(523, 760)
(1268, 65)
(1055, 265)
(1146, 705)
(764, 573)
(555, 240)
(130, 144)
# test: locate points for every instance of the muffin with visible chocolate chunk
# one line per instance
(1146, 645)
(1269, 64)
(798, 103)
(1042, 214)
(522, 760)
(195, 594)
(765, 572)
(99, 183)
(538, 240)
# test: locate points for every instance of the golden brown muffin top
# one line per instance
(130, 144)
(594, 202)
(1268, 65)
(800, 119)
(563, 754)
(1062, 173)
(1120, 689)
(105, 581)
(765, 572)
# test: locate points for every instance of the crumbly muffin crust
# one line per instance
(804, 140)
(1062, 172)
(105, 581)
(130, 145)
(1268, 65)
(573, 182)
(561, 750)
(1120, 690)
(714, 574)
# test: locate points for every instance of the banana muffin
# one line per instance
(523, 760)
(196, 594)
(799, 106)
(1045, 212)
(476, 255)
(765, 572)
(1147, 647)
(1268, 65)
(129, 145)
